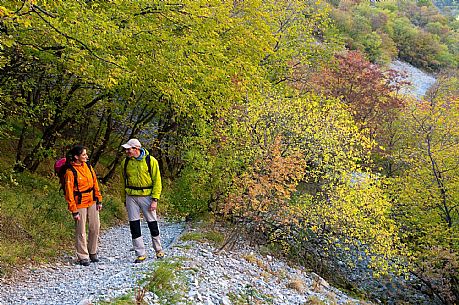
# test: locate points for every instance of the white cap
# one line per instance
(132, 143)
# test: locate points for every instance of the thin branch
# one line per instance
(22, 6)
(75, 39)
(43, 11)
(156, 9)
(429, 285)
(41, 48)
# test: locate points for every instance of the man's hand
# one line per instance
(154, 204)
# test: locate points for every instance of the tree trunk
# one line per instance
(108, 131)
(21, 143)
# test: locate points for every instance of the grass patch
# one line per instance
(214, 237)
(165, 281)
(251, 258)
(185, 247)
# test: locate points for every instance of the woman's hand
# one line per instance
(76, 216)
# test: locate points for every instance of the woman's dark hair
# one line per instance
(73, 152)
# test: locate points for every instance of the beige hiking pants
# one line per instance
(85, 247)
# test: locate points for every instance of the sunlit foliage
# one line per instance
(426, 192)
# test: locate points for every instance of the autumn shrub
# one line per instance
(368, 91)
(303, 189)
(352, 224)
(372, 97)
(260, 196)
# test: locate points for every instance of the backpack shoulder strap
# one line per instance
(126, 160)
(148, 160)
(75, 176)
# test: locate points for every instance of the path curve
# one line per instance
(113, 276)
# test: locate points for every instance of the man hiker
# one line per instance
(141, 190)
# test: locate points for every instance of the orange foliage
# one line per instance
(264, 190)
(369, 92)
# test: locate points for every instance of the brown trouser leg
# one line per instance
(83, 247)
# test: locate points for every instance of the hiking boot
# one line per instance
(140, 259)
(84, 262)
(160, 254)
(94, 258)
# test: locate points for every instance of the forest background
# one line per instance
(280, 117)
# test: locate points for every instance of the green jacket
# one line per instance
(138, 176)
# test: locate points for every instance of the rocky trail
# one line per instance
(208, 275)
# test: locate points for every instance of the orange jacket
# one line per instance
(85, 182)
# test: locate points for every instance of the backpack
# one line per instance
(147, 159)
(60, 167)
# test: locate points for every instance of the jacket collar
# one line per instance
(142, 154)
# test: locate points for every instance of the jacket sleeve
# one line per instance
(123, 182)
(156, 178)
(69, 196)
(96, 185)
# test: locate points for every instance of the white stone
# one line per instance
(85, 302)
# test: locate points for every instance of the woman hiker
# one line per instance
(84, 200)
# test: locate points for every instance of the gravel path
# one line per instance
(113, 276)
(208, 276)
